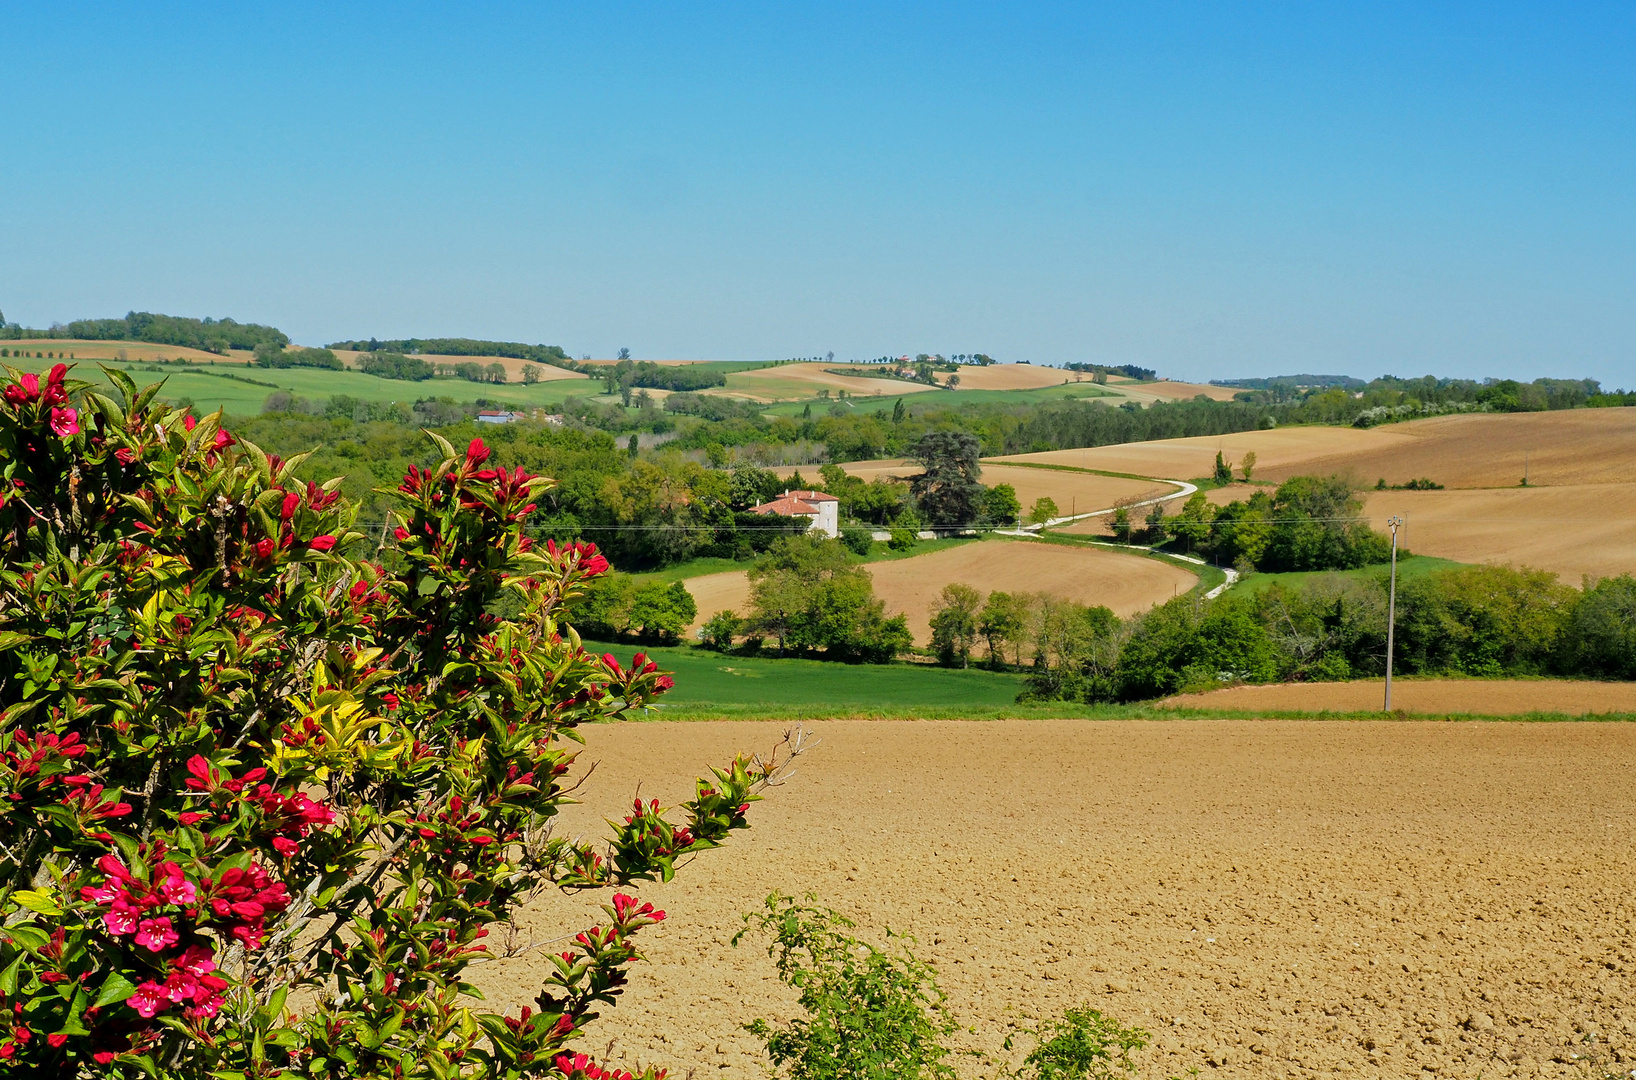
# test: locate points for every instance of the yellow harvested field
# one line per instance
(1571, 446)
(1178, 391)
(1185, 459)
(875, 469)
(513, 366)
(140, 351)
(1572, 530)
(1268, 899)
(793, 382)
(1013, 377)
(1440, 697)
(1125, 583)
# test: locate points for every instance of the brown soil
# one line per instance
(1125, 583)
(1578, 446)
(1181, 391)
(1581, 446)
(513, 365)
(796, 381)
(1185, 459)
(138, 351)
(1013, 377)
(1269, 899)
(1440, 697)
(1574, 530)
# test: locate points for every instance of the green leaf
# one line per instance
(38, 902)
(115, 988)
(8, 977)
(31, 938)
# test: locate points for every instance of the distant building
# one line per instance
(490, 416)
(824, 511)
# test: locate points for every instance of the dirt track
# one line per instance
(1125, 583)
(1284, 899)
(1487, 697)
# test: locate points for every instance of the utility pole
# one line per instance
(1391, 610)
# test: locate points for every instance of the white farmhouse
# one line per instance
(824, 511)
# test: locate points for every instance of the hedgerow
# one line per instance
(270, 782)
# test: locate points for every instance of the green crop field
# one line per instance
(722, 683)
(1411, 566)
(210, 388)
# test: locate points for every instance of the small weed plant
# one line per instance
(870, 1014)
(874, 1014)
(1081, 1044)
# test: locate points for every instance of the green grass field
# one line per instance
(721, 683)
(1412, 566)
(209, 388)
(718, 686)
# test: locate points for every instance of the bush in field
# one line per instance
(720, 629)
(806, 593)
(1599, 638)
(1081, 1044)
(870, 1014)
(1482, 620)
(269, 786)
(1043, 510)
(857, 539)
(954, 624)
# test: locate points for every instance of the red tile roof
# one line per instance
(794, 503)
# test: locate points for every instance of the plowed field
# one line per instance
(1573, 530)
(793, 382)
(1442, 697)
(513, 366)
(1184, 459)
(137, 351)
(1269, 899)
(1125, 583)
(1576, 446)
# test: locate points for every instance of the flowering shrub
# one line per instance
(268, 782)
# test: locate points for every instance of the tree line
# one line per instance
(208, 335)
(516, 350)
(1474, 621)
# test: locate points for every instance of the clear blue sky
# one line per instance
(1209, 189)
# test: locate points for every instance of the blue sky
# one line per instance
(1212, 190)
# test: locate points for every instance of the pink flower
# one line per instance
(285, 846)
(176, 889)
(65, 422)
(149, 998)
(121, 920)
(25, 391)
(197, 960)
(663, 683)
(265, 549)
(156, 934)
(189, 422)
(321, 543)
